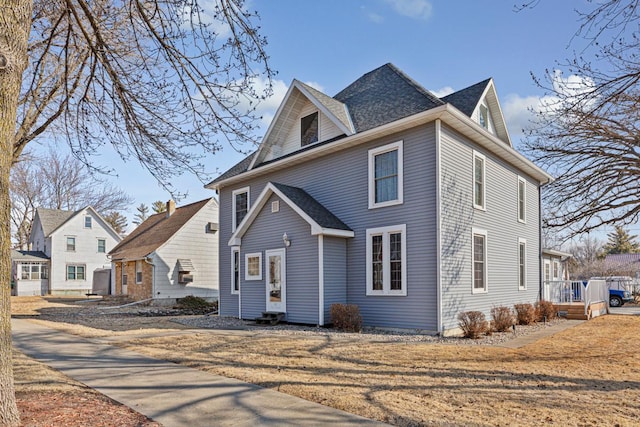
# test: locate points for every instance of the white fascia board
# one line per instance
(315, 101)
(447, 113)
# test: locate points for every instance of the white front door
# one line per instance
(276, 280)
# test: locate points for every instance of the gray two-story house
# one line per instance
(412, 207)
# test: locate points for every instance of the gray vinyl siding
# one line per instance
(339, 182)
(499, 220)
(335, 273)
(301, 263)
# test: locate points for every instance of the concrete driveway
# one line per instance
(628, 309)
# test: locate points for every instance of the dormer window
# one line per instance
(483, 116)
(309, 129)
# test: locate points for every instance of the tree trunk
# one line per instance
(15, 23)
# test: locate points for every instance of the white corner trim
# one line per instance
(321, 280)
(438, 135)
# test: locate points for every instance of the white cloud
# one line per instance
(374, 17)
(418, 9)
(443, 91)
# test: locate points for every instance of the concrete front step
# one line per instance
(270, 318)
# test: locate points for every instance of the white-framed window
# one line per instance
(102, 246)
(483, 116)
(139, 271)
(479, 180)
(522, 264)
(522, 200)
(386, 175)
(75, 272)
(556, 270)
(547, 271)
(240, 201)
(235, 270)
(34, 271)
(71, 244)
(309, 129)
(387, 260)
(253, 266)
(124, 273)
(479, 257)
(87, 222)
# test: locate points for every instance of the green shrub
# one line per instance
(525, 314)
(473, 324)
(501, 318)
(346, 317)
(545, 309)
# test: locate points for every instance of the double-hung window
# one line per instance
(386, 175)
(102, 246)
(139, 271)
(522, 264)
(556, 270)
(479, 257)
(75, 272)
(235, 270)
(522, 200)
(479, 190)
(71, 244)
(387, 260)
(240, 205)
(87, 222)
(309, 129)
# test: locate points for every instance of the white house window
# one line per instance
(87, 222)
(483, 116)
(71, 244)
(479, 257)
(522, 264)
(34, 271)
(387, 260)
(556, 270)
(309, 129)
(235, 270)
(253, 266)
(75, 272)
(139, 271)
(522, 200)
(102, 245)
(386, 175)
(479, 190)
(240, 205)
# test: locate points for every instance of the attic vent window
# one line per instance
(484, 117)
(309, 129)
(275, 206)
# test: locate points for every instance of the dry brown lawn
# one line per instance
(587, 375)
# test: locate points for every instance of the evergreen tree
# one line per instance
(158, 206)
(142, 215)
(117, 221)
(621, 242)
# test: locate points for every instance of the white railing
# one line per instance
(576, 291)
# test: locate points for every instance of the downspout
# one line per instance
(153, 276)
(540, 257)
(440, 326)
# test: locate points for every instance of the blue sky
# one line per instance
(444, 45)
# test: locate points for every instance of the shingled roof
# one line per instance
(154, 232)
(468, 98)
(312, 207)
(33, 256)
(51, 219)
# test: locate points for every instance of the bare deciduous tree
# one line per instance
(54, 181)
(586, 134)
(162, 82)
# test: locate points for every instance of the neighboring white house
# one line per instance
(76, 243)
(29, 273)
(171, 255)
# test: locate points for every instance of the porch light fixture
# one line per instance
(286, 240)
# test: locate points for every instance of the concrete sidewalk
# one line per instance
(170, 394)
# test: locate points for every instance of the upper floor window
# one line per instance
(386, 261)
(483, 116)
(309, 129)
(75, 272)
(479, 257)
(522, 264)
(102, 245)
(139, 271)
(522, 199)
(386, 175)
(71, 244)
(479, 190)
(87, 222)
(240, 206)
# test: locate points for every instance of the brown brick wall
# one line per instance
(137, 291)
